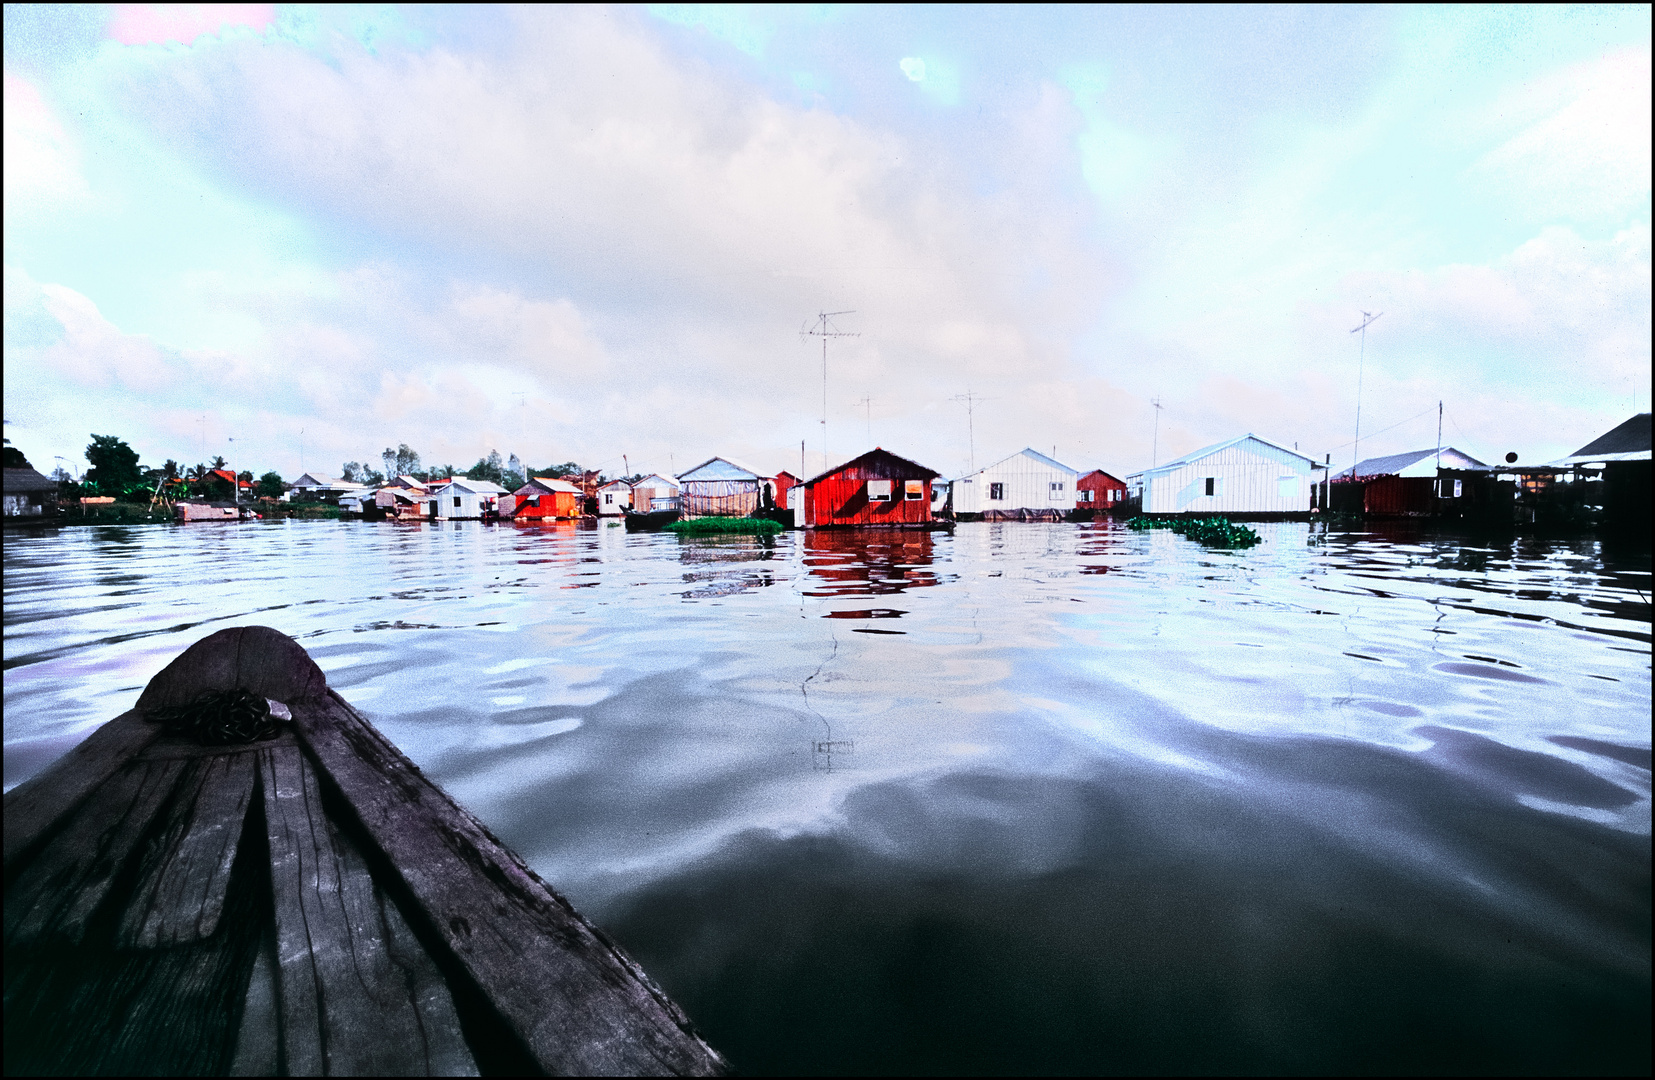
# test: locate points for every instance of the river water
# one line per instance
(1019, 798)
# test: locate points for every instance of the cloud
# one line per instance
(157, 24)
(42, 163)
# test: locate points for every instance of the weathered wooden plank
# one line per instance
(576, 1000)
(33, 807)
(258, 1042)
(181, 886)
(356, 991)
(59, 890)
(254, 658)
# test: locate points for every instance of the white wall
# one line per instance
(1250, 477)
(1026, 484)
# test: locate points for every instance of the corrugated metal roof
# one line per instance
(881, 452)
(552, 483)
(1177, 463)
(1627, 441)
(652, 478)
(476, 487)
(1394, 464)
(719, 468)
(1027, 452)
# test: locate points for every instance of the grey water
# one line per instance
(1017, 798)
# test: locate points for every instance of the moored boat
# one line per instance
(242, 875)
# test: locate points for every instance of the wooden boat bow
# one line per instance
(308, 904)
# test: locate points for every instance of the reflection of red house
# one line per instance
(1098, 491)
(544, 498)
(867, 562)
(877, 489)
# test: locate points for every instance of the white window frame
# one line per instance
(879, 491)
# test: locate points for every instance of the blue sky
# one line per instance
(595, 232)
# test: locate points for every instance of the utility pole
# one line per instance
(301, 450)
(1155, 441)
(867, 409)
(1361, 356)
(825, 329)
(971, 400)
(235, 478)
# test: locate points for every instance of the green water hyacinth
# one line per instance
(1212, 532)
(707, 526)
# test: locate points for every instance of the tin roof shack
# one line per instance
(546, 498)
(718, 487)
(1097, 493)
(404, 497)
(780, 484)
(461, 499)
(313, 488)
(878, 489)
(1027, 486)
(1419, 483)
(1244, 477)
(1612, 472)
(614, 498)
(29, 494)
(654, 493)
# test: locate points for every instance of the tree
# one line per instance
(114, 465)
(559, 472)
(407, 460)
(170, 469)
(490, 468)
(219, 462)
(270, 486)
(15, 459)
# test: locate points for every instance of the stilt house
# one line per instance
(877, 489)
(1026, 484)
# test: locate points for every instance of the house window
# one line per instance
(913, 490)
(608, 499)
(996, 491)
(1212, 482)
(1057, 487)
(1084, 495)
(456, 501)
(879, 491)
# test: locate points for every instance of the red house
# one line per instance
(876, 489)
(546, 499)
(781, 483)
(1099, 492)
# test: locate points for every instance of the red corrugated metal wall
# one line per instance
(1100, 484)
(552, 504)
(841, 498)
(1403, 496)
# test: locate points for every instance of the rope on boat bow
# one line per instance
(220, 718)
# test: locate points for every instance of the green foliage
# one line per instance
(14, 459)
(270, 486)
(114, 464)
(1213, 532)
(491, 468)
(560, 472)
(714, 525)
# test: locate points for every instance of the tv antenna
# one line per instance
(1155, 440)
(970, 401)
(1361, 354)
(825, 329)
(867, 411)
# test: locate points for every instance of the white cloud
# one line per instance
(42, 163)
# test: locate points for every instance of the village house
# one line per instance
(312, 488)
(1617, 463)
(654, 493)
(877, 489)
(544, 498)
(1241, 477)
(464, 499)
(614, 498)
(403, 497)
(1411, 484)
(1028, 485)
(29, 494)
(779, 487)
(718, 487)
(1099, 492)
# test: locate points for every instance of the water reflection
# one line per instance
(1082, 799)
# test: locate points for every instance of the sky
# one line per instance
(296, 236)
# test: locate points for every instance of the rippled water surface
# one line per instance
(1025, 798)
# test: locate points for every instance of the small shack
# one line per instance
(780, 485)
(1028, 485)
(878, 489)
(718, 487)
(654, 493)
(403, 497)
(1099, 493)
(546, 498)
(310, 487)
(29, 494)
(1414, 484)
(614, 499)
(462, 499)
(1244, 477)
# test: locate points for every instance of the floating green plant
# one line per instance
(1213, 532)
(706, 526)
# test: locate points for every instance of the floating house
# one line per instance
(545, 498)
(614, 498)
(1242, 477)
(1413, 484)
(403, 497)
(312, 488)
(1025, 486)
(29, 494)
(718, 487)
(1620, 460)
(463, 499)
(780, 485)
(1099, 492)
(654, 493)
(878, 489)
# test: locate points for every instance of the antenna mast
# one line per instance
(867, 410)
(825, 329)
(1361, 355)
(1155, 442)
(970, 400)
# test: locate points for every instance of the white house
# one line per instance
(614, 498)
(1027, 480)
(1415, 463)
(310, 487)
(461, 498)
(1246, 475)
